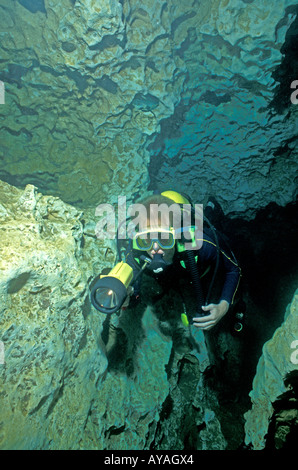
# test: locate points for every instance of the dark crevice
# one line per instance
(42, 180)
(57, 394)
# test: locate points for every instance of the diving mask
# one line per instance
(144, 241)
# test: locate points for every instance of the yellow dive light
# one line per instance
(110, 291)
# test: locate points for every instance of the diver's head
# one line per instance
(155, 234)
(159, 246)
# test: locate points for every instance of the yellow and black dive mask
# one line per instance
(144, 240)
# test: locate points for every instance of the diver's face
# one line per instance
(166, 254)
(156, 249)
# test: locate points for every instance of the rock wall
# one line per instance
(51, 344)
(87, 85)
(71, 378)
(224, 138)
(98, 93)
(107, 99)
(272, 381)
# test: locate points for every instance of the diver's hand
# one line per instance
(214, 313)
(130, 291)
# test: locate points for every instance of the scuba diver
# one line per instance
(181, 239)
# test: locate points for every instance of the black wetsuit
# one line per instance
(228, 264)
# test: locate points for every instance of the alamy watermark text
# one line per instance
(2, 353)
(294, 95)
(2, 93)
(136, 218)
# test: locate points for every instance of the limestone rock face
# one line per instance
(52, 356)
(223, 138)
(96, 93)
(277, 363)
(88, 84)
(71, 378)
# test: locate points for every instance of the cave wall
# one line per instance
(225, 138)
(274, 379)
(52, 355)
(108, 100)
(98, 93)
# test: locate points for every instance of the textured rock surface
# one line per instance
(277, 362)
(93, 92)
(72, 379)
(223, 138)
(52, 350)
(99, 101)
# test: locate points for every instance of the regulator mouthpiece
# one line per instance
(157, 264)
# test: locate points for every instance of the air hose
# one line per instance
(195, 277)
(217, 259)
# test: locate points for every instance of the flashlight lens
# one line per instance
(106, 297)
(108, 294)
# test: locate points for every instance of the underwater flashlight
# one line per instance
(110, 291)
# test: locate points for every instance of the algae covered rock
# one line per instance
(101, 99)
(277, 363)
(51, 353)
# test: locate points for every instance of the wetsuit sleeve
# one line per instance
(232, 271)
(232, 278)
